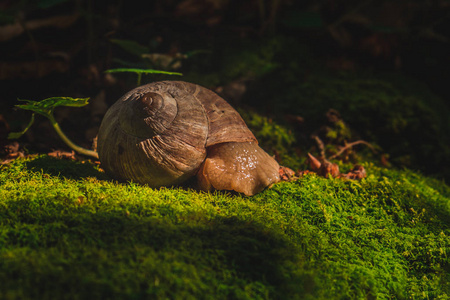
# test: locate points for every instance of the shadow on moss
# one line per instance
(65, 168)
(227, 253)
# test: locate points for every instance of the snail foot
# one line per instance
(242, 167)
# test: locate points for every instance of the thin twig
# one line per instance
(348, 146)
(320, 145)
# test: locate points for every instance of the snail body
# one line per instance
(164, 133)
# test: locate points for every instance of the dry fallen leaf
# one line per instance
(62, 154)
(286, 174)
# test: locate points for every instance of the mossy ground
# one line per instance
(67, 232)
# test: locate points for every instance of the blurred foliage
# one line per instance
(269, 133)
(339, 133)
(250, 60)
(414, 130)
(147, 57)
(131, 47)
(48, 3)
(388, 109)
(10, 13)
(396, 114)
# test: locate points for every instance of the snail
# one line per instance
(163, 133)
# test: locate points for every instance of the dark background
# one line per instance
(287, 60)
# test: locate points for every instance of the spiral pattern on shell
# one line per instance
(158, 134)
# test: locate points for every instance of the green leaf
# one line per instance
(142, 71)
(46, 106)
(16, 135)
(131, 47)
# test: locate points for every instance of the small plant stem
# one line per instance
(139, 79)
(69, 143)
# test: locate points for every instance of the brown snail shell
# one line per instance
(163, 133)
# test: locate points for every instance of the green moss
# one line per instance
(269, 133)
(67, 236)
(275, 138)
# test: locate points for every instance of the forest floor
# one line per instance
(307, 83)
